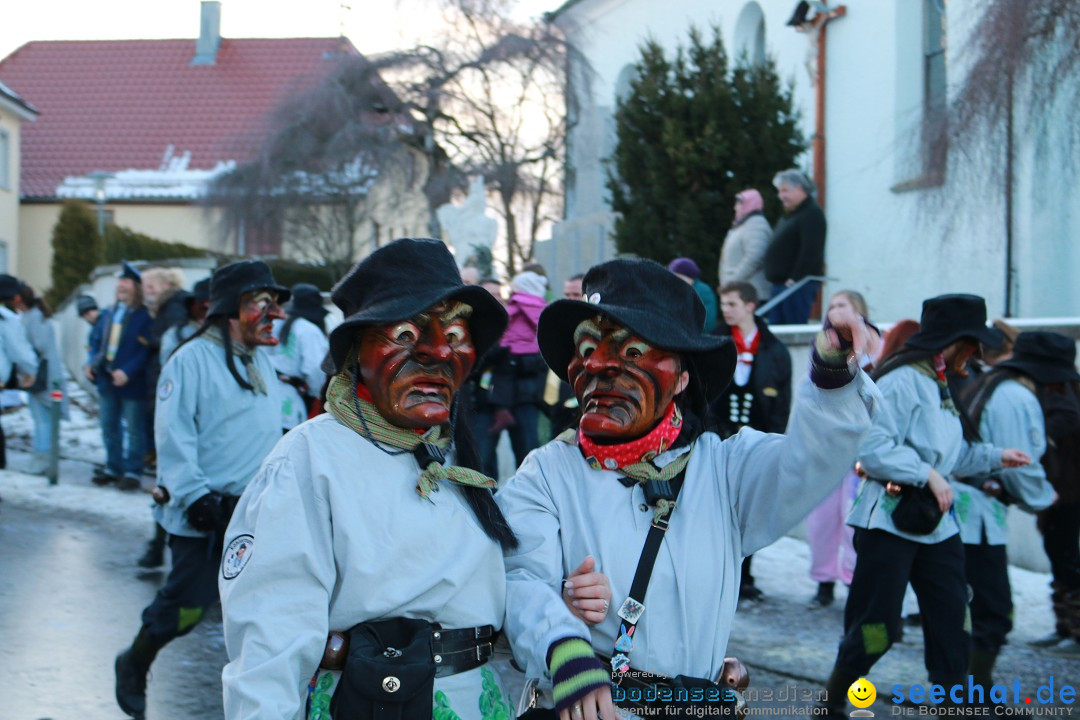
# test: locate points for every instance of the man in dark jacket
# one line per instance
(118, 366)
(759, 395)
(797, 248)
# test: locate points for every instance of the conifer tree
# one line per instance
(692, 133)
(77, 250)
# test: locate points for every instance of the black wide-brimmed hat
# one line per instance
(9, 286)
(401, 280)
(129, 271)
(1048, 357)
(651, 302)
(307, 302)
(948, 318)
(201, 290)
(231, 281)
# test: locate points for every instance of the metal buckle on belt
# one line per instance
(479, 651)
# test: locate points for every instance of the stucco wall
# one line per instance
(186, 224)
(9, 196)
(895, 246)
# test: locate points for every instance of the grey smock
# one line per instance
(912, 434)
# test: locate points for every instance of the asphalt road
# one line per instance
(70, 600)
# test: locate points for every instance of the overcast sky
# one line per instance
(372, 25)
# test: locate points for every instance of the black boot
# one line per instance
(132, 665)
(836, 687)
(981, 668)
(155, 550)
(825, 596)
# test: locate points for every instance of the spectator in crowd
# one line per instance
(195, 304)
(18, 361)
(41, 332)
(689, 272)
(797, 248)
(517, 383)
(118, 367)
(166, 302)
(572, 287)
(832, 555)
(759, 395)
(219, 414)
(904, 530)
(1002, 407)
(87, 309)
(742, 258)
(298, 356)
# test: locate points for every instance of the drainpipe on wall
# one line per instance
(821, 22)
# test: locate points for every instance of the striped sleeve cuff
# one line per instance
(575, 671)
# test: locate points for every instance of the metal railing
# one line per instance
(788, 292)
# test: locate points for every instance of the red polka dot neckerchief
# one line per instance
(615, 457)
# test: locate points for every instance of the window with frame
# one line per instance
(934, 88)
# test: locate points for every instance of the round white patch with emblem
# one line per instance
(236, 556)
(165, 390)
(594, 299)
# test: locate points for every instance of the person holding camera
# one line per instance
(218, 415)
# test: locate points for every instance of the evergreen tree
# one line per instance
(690, 135)
(77, 250)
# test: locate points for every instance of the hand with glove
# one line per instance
(209, 512)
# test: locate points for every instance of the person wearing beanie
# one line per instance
(689, 272)
(218, 415)
(644, 492)
(742, 257)
(516, 388)
(119, 369)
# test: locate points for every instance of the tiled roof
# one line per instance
(119, 105)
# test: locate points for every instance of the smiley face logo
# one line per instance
(862, 693)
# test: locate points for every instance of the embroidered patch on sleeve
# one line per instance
(236, 556)
(165, 390)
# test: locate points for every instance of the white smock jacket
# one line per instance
(739, 495)
(337, 535)
(301, 357)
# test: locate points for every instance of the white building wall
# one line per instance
(896, 245)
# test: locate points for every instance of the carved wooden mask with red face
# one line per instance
(623, 384)
(414, 368)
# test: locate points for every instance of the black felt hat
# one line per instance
(129, 271)
(9, 286)
(231, 281)
(201, 290)
(1048, 357)
(307, 302)
(948, 318)
(401, 280)
(84, 304)
(652, 303)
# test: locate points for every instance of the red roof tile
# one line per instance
(119, 104)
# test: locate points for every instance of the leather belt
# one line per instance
(452, 651)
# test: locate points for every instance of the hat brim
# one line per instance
(714, 356)
(990, 337)
(486, 324)
(1044, 373)
(231, 304)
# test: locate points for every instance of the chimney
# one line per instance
(206, 46)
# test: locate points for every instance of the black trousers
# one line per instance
(885, 565)
(188, 591)
(1060, 526)
(987, 570)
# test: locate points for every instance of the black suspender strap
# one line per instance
(632, 608)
